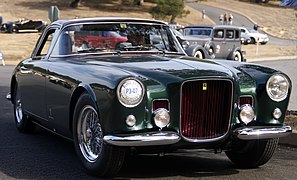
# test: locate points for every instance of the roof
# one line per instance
(211, 26)
(107, 19)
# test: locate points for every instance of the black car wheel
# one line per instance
(14, 29)
(22, 121)
(96, 156)
(251, 154)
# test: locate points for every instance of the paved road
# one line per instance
(213, 13)
(44, 156)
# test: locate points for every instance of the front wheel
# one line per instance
(251, 154)
(96, 156)
(198, 54)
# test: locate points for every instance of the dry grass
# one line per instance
(291, 120)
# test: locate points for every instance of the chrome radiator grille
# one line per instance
(205, 108)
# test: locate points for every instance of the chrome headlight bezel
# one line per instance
(277, 87)
(130, 92)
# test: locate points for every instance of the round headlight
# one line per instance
(130, 92)
(277, 87)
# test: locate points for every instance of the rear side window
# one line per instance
(230, 34)
(237, 34)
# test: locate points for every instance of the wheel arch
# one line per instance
(74, 98)
(192, 49)
(13, 83)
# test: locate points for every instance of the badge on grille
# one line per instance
(204, 86)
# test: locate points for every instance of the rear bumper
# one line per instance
(252, 133)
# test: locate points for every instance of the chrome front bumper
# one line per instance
(251, 133)
(145, 139)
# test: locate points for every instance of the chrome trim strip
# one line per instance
(252, 133)
(143, 139)
(8, 96)
(231, 108)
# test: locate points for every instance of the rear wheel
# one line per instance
(238, 56)
(22, 121)
(251, 154)
(96, 156)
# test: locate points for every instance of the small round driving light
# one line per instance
(277, 113)
(161, 118)
(247, 113)
(130, 120)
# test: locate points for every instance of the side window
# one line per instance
(218, 33)
(230, 34)
(45, 44)
(237, 34)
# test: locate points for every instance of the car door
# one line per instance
(219, 42)
(31, 80)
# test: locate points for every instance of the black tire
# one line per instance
(22, 121)
(97, 157)
(253, 41)
(252, 154)
(14, 29)
(238, 57)
(198, 54)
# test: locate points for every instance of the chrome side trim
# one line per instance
(8, 96)
(251, 133)
(143, 139)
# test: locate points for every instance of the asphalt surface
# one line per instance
(42, 155)
(239, 20)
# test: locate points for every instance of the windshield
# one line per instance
(197, 31)
(115, 37)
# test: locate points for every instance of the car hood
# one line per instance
(164, 69)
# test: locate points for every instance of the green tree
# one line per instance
(169, 9)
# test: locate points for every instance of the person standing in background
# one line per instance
(203, 14)
(230, 19)
(225, 18)
(221, 19)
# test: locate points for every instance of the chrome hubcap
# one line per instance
(89, 132)
(19, 111)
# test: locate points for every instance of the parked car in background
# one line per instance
(255, 36)
(220, 41)
(192, 49)
(245, 39)
(98, 39)
(146, 96)
(23, 24)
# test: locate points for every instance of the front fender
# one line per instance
(192, 49)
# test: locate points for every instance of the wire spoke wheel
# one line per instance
(89, 133)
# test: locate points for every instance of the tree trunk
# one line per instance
(139, 2)
(74, 3)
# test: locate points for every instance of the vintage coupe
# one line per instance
(23, 24)
(147, 95)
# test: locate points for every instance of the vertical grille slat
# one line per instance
(205, 113)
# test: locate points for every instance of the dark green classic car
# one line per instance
(144, 94)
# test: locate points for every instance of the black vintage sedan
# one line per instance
(145, 95)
